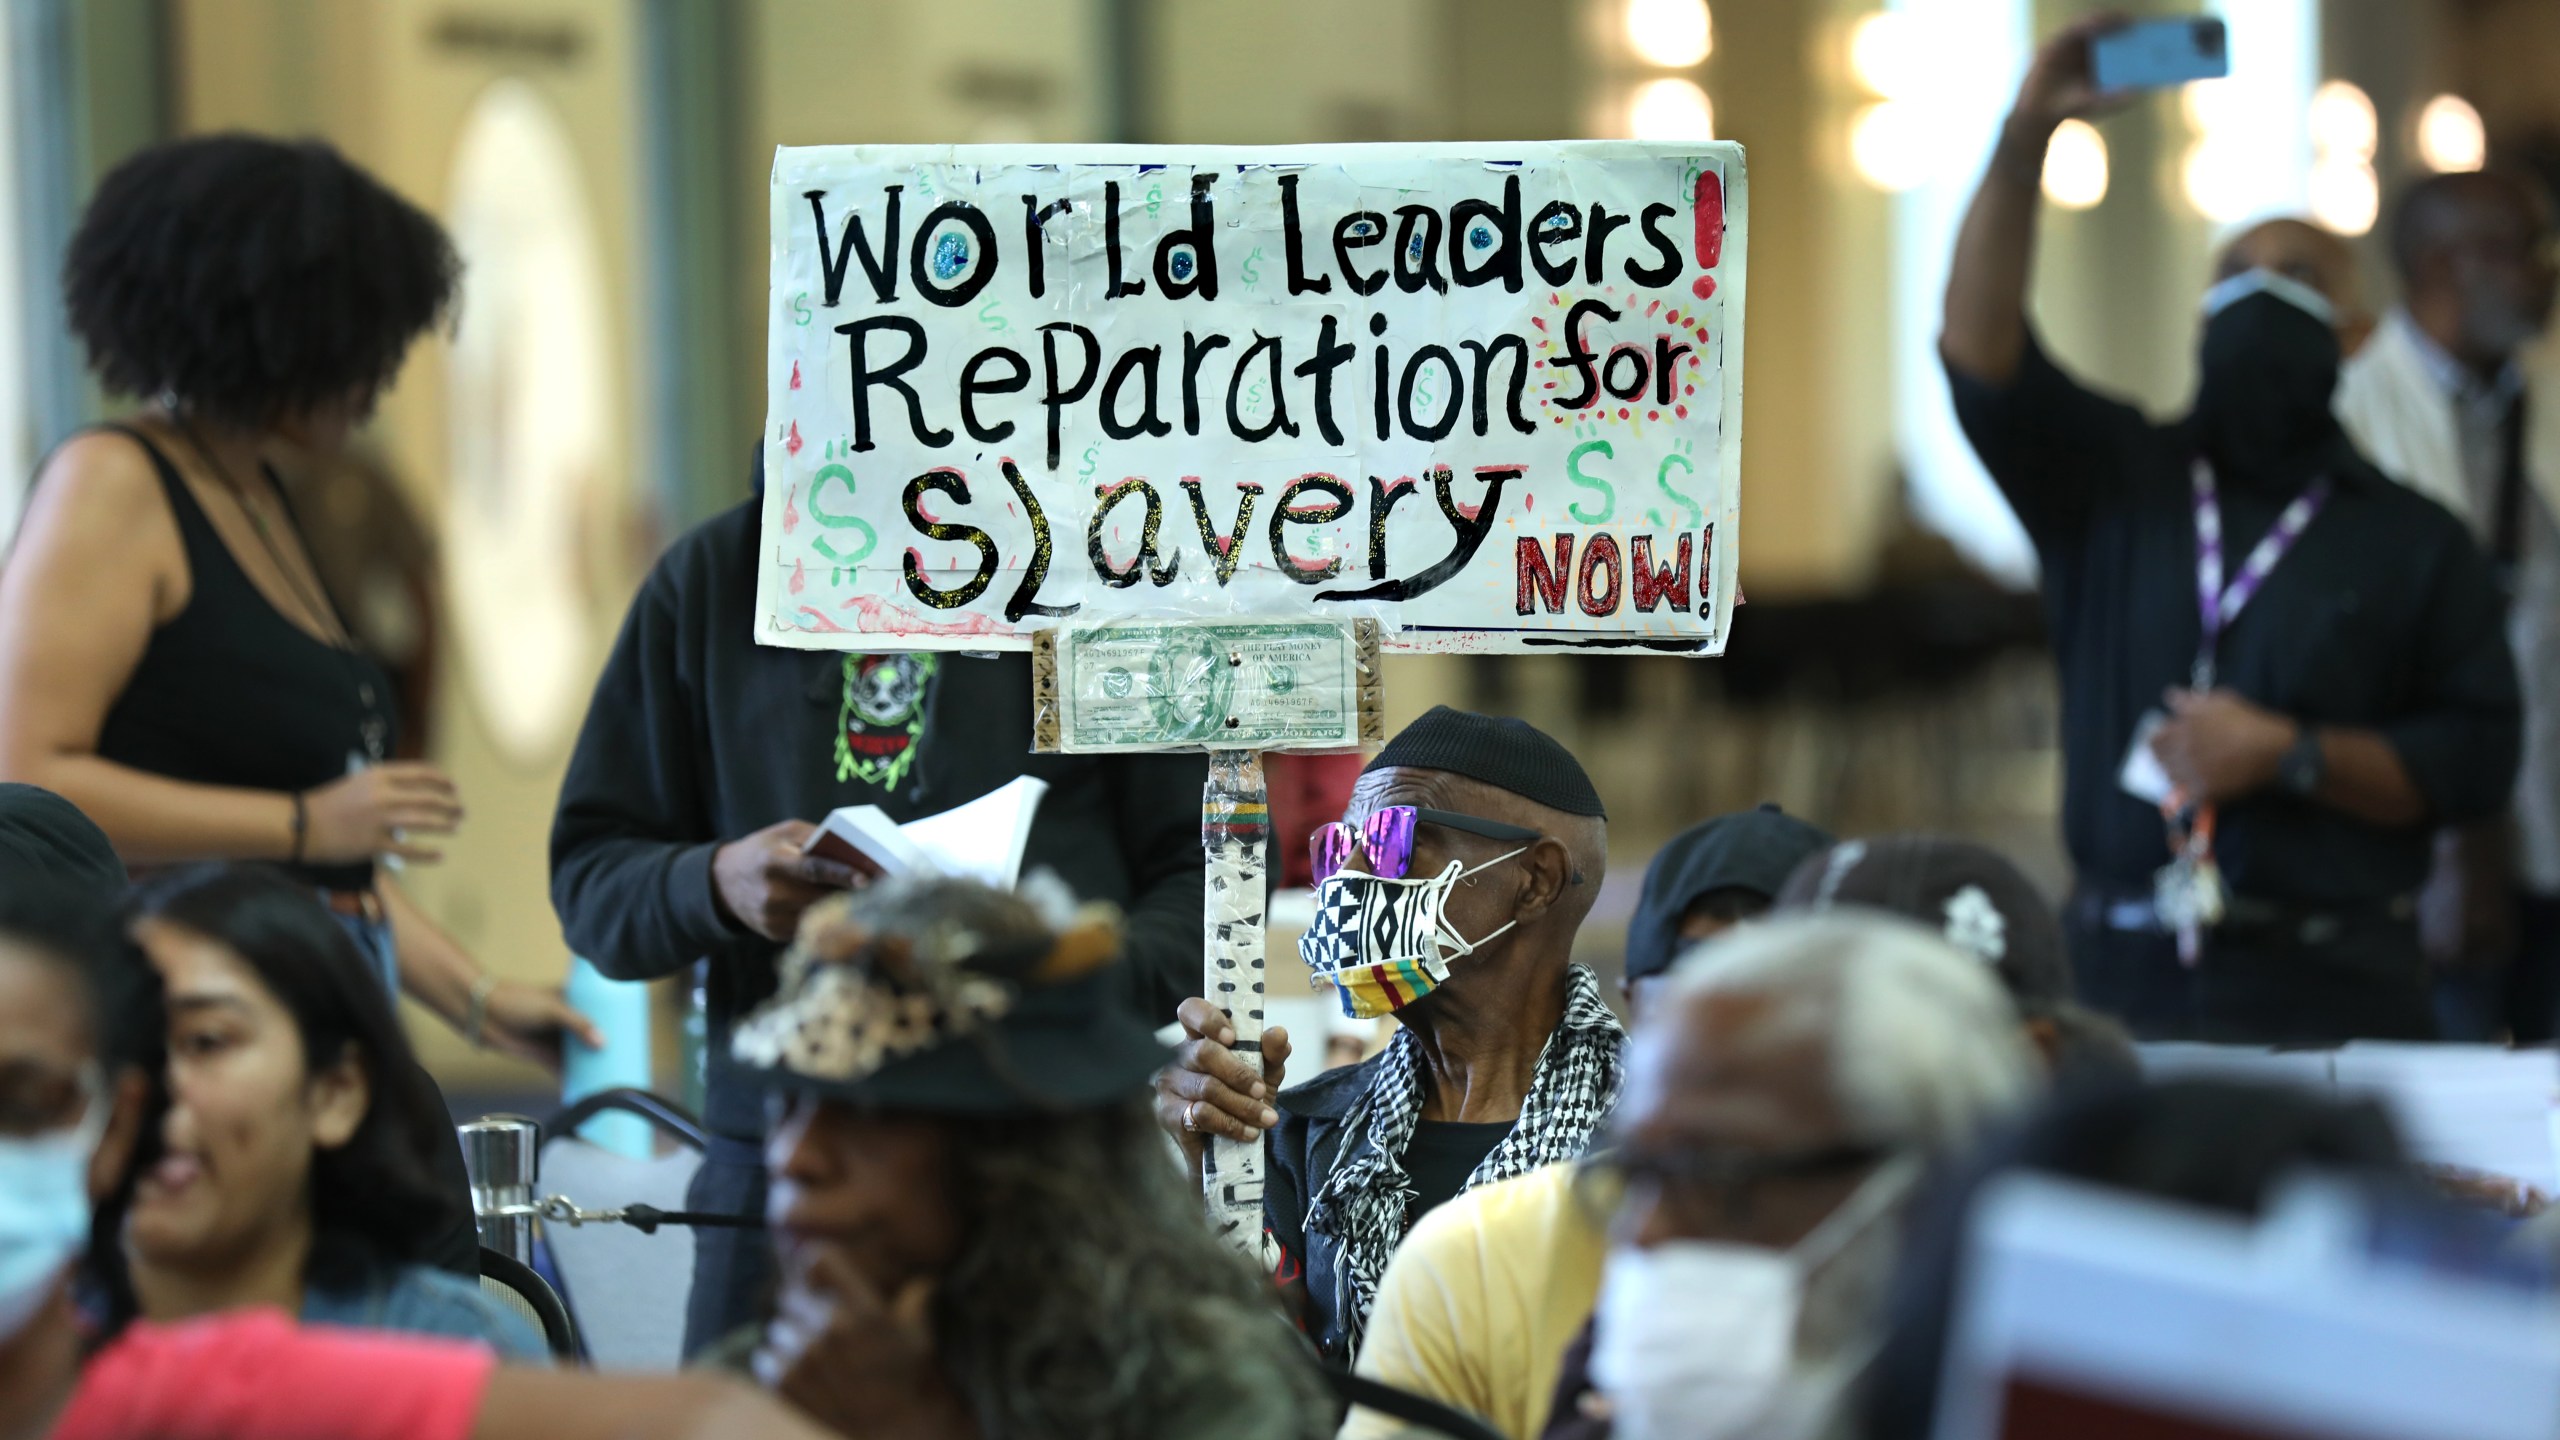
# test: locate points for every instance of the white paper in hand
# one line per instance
(982, 840)
(864, 836)
(2142, 775)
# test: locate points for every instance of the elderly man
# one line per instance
(1489, 1290)
(1448, 895)
(1778, 1110)
(2446, 403)
(970, 1204)
(2280, 673)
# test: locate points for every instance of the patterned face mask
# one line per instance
(1385, 943)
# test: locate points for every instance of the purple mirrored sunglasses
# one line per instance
(1386, 834)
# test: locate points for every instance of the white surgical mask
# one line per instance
(44, 1211)
(1696, 1339)
(1387, 943)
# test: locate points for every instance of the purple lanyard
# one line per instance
(2218, 606)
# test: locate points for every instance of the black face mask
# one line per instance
(2262, 406)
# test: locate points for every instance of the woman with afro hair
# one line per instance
(169, 660)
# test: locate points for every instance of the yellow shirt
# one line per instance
(1482, 1299)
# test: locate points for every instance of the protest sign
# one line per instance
(1486, 396)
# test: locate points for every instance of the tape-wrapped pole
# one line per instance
(1235, 831)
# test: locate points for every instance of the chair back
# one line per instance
(668, 1117)
(627, 1290)
(514, 1284)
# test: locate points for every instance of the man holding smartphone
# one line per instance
(707, 760)
(2279, 670)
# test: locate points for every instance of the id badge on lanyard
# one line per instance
(2216, 605)
(2188, 893)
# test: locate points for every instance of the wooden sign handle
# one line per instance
(1235, 834)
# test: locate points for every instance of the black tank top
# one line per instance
(230, 692)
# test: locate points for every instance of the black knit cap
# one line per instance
(47, 844)
(1753, 851)
(1504, 753)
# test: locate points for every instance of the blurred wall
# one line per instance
(1316, 71)
(1819, 486)
(2502, 55)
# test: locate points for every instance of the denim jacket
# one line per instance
(424, 1301)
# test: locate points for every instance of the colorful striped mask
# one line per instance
(1385, 943)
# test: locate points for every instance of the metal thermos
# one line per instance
(503, 1155)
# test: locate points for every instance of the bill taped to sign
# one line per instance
(1240, 685)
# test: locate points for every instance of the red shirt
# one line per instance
(255, 1375)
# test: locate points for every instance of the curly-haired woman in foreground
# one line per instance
(970, 1200)
(169, 661)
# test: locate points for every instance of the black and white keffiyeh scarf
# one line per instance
(1364, 1203)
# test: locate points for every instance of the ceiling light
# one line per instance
(1670, 109)
(2450, 136)
(1674, 34)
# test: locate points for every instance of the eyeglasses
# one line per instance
(1386, 835)
(1706, 1191)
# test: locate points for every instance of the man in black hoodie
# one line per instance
(706, 760)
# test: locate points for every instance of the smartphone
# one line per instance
(2157, 54)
